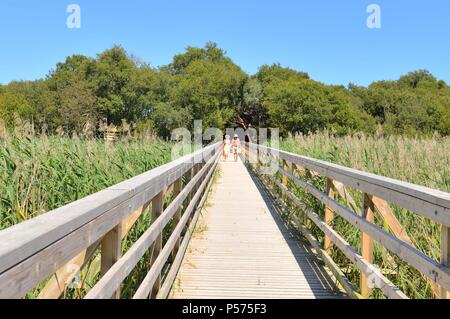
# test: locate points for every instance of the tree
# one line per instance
(251, 110)
(209, 85)
(210, 53)
(205, 84)
(12, 105)
(111, 74)
(268, 73)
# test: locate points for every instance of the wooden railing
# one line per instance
(52, 248)
(377, 192)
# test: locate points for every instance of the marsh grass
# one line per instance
(41, 174)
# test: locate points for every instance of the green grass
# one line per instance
(41, 174)
(421, 161)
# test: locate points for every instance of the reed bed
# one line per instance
(41, 174)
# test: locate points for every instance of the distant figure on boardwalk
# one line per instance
(236, 146)
(226, 147)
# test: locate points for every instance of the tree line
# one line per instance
(204, 83)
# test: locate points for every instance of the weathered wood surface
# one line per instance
(241, 249)
(427, 202)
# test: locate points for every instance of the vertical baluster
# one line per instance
(367, 243)
(111, 252)
(176, 218)
(284, 179)
(445, 255)
(157, 209)
(329, 215)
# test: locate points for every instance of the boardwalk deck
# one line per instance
(241, 249)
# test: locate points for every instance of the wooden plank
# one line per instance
(56, 286)
(157, 209)
(64, 276)
(181, 250)
(342, 191)
(177, 216)
(445, 256)
(385, 284)
(28, 238)
(149, 280)
(367, 244)
(21, 278)
(111, 252)
(122, 268)
(387, 215)
(284, 178)
(241, 247)
(383, 208)
(337, 272)
(428, 202)
(329, 215)
(423, 263)
(334, 268)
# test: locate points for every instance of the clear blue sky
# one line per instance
(326, 38)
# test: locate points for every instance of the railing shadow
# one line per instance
(320, 282)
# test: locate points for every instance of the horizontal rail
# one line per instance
(163, 293)
(386, 286)
(424, 201)
(315, 244)
(121, 269)
(431, 203)
(423, 263)
(35, 249)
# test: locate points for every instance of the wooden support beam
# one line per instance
(177, 186)
(157, 209)
(284, 179)
(445, 255)
(367, 244)
(57, 285)
(125, 265)
(385, 285)
(111, 252)
(329, 216)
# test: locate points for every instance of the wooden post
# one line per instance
(111, 252)
(445, 255)
(329, 216)
(195, 170)
(284, 179)
(157, 209)
(367, 243)
(176, 218)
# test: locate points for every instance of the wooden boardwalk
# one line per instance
(241, 249)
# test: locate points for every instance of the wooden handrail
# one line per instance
(112, 280)
(424, 201)
(431, 203)
(35, 249)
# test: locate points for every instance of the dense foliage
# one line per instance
(203, 83)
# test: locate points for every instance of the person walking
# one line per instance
(226, 147)
(236, 147)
